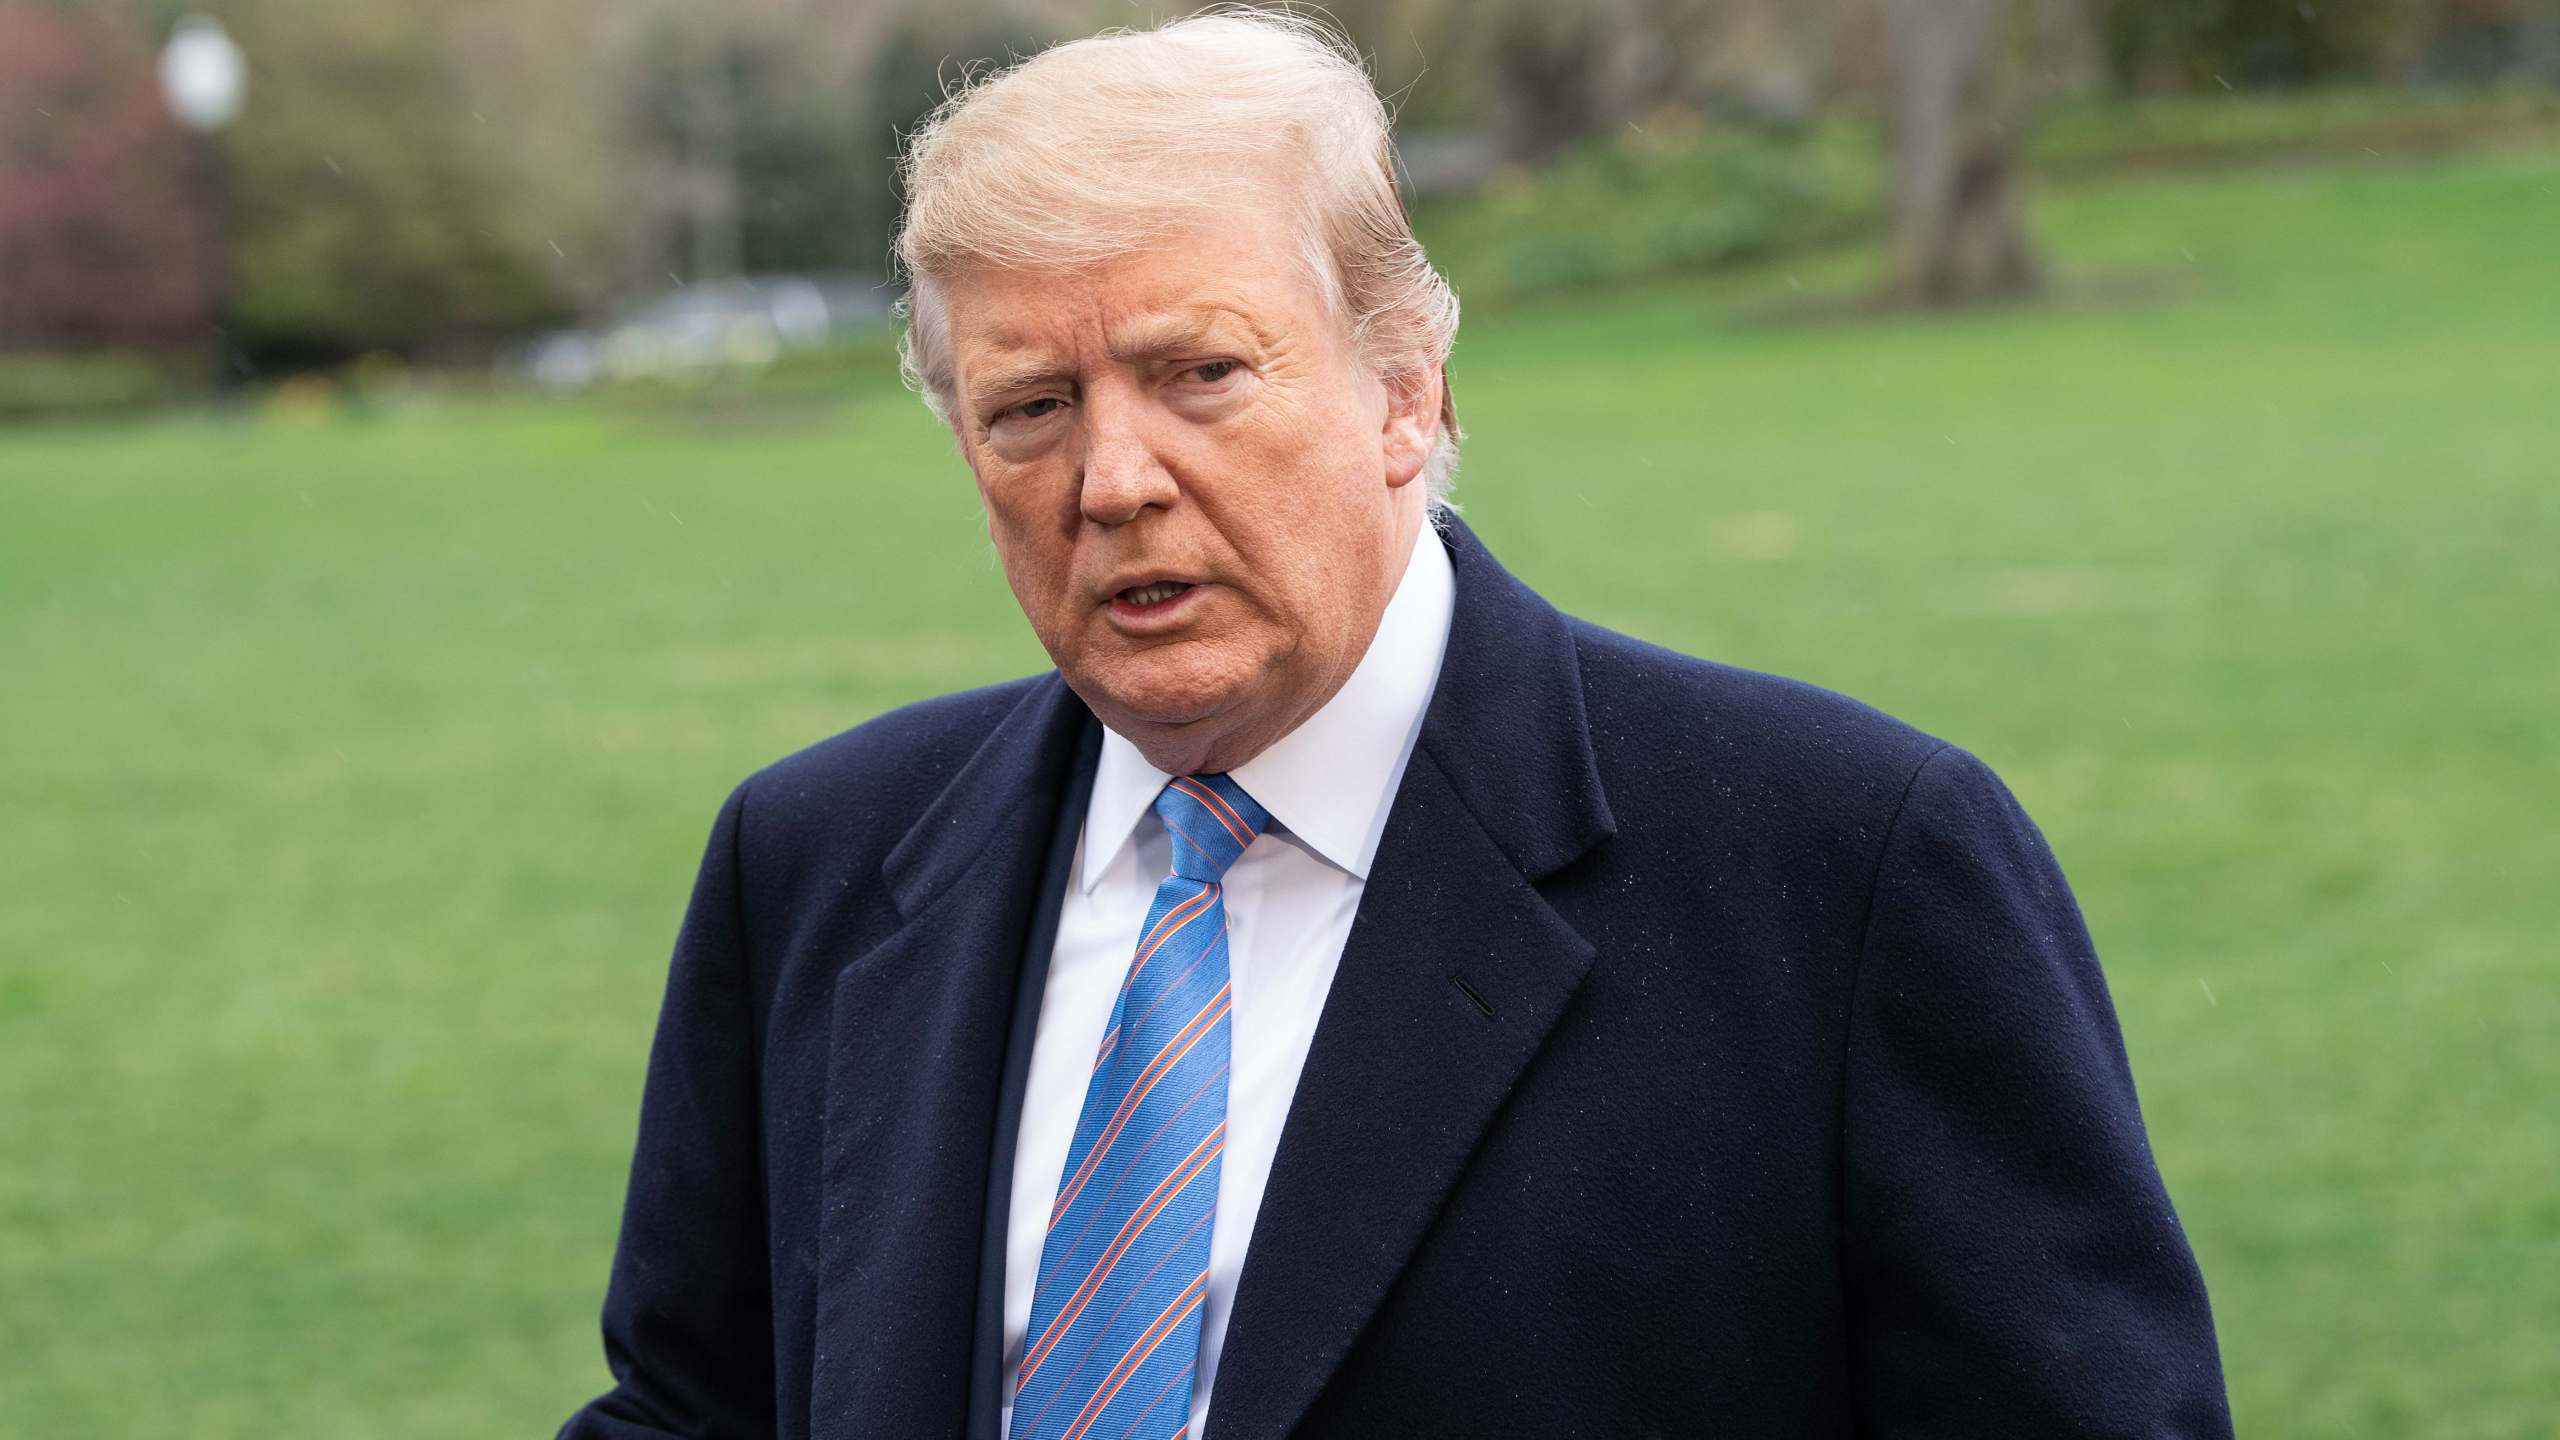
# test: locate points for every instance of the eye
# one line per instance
(1036, 409)
(1212, 372)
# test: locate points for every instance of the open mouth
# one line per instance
(1157, 593)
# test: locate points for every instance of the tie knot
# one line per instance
(1212, 820)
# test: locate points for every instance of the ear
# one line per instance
(1412, 422)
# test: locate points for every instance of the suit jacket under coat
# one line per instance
(1711, 1054)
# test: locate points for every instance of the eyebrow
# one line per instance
(1151, 338)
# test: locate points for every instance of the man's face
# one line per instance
(1202, 498)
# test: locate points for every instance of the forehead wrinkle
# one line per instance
(1152, 337)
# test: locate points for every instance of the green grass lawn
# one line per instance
(354, 773)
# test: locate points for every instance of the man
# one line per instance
(1349, 998)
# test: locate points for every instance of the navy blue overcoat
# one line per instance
(1711, 1055)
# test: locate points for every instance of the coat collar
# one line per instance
(915, 1076)
(1455, 971)
(1008, 789)
(1508, 722)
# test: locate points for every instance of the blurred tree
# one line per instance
(2154, 45)
(2538, 47)
(373, 209)
(761, 135)
(798, 150)
(1419, 53)
(1956, 105)
(2477, 41)
(927, 51)
(105, 230)
(536, 81)
(1550, 75)
(680, 90)
(1668, 53)
(1547, 67)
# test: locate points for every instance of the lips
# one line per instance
(1155, 592)
(1153, 606)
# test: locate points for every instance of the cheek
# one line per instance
(1328, 475)
(1336, 518)
(1034, 548)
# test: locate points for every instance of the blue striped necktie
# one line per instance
(1114, 1336)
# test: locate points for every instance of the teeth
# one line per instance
(1155, 594)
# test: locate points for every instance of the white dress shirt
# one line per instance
(1290, 899)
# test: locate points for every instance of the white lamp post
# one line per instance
(203, 74)
(205, 78)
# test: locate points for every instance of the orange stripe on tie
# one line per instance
(1111, 1037)
(1170, 1321)
(1176, 982)
(1177, 917)
(1172, 1185)
(1194, 842)
(1165, 1060)
(1066, 1251)
(1218, 809)
(1180, 1377)
(1104, 1328)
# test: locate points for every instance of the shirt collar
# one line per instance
(1331, 781)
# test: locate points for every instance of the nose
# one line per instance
(1122, 475)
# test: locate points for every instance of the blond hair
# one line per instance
(1099, 147)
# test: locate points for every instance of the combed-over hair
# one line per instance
(1096, 148)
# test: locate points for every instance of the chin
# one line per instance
(1165, 686)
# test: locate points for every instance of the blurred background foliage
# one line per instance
(423, 498)
(434, 181)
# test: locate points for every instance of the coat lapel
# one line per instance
(1456, 970)
(915, 1064)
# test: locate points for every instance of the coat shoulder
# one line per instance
(1783, 753)
(859, 791)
